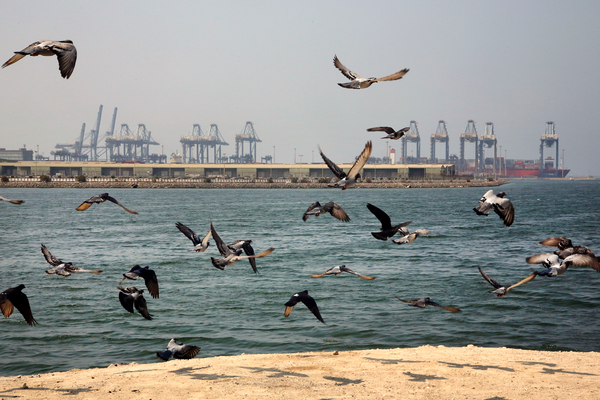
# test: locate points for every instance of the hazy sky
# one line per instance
(172, 64)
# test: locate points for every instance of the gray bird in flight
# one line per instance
(358, 82)
(391, 132)
(499, 203)
(64, 50)
(501, 290)
(178, 351)
(424, 302)
(350, 178)
(338, 269)
(332, 208)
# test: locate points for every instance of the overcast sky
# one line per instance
(173, 64)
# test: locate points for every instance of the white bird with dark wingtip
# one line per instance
(500, 204)
(358, 82)
(62, 268)
(12, 201)
(579, 255)
(230, 257)
(178, 351)
(101, 198)
(332, 208)
(131, 297)
(200, 243)
(411, 236)
(64, 50)
(501, 290)
(338, 269)
(387, 230)
(426, 301)
(14, 297)
(147, 274)
(391, 132)
(350, 178)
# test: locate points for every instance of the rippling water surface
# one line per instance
(82, 324)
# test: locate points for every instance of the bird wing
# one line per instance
(345, 71)
(348, 270)
(386, 222)
(84, 206)
(223, 249)
(385, 129)
(337, 171)
(261, 255)
(20, 301)
(328, 272)
(393, 77)
(142, 307)
(12, 201)
(113, 200)
(361, 160)
(505, 209)
(67, 57)
(186, 352)
(581, 260)
(407, 301)
(289, 306)
(529, 278)
(406, 239)
(312, 306)
(126, 301)
(492, 282)
(6, 306)
(337, 211)
(55, 262)
(310, 208)
(205, 240)
(20, 54)
(165, 355)
(151, 281)
(553, 241)
(249, 251)
(433, 303)
(189, 233)
(538, 258)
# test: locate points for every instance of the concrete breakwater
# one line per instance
(200, 184)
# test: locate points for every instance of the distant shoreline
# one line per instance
(200, 184)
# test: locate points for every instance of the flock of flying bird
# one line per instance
(132, 298)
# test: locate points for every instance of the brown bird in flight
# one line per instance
(101, 198)
(64, 50)
(358, 82)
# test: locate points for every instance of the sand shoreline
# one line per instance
(427, 372)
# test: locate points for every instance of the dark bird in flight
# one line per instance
(338, 269)
(579, 255)
(501, 205)
(230, 257)
(353, 175)
(62, 268)
(64, 50)
(14, 297)
(132, 297)
(308, 302)
(358, 82)
(101, 198)
(501, 290)
(391, 133)
(149, 278)
(422, 303)
(200, 243)
(332, 208)
(179, 351)
(387, 230)
(12, 201)
(411, 236)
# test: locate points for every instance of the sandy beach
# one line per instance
(425, 372)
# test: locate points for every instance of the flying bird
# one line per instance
(62, 268)
(12, 201)
(200, 243)
(149, 278)
(422, 303)
(391, 133)
(501, 205)
(132, 297)
(230, 257)
(332, 208)
(14, 297)
(338, 269)
(64, 50)
(308, 302)
(353, 175)
(387, 230)
(358, 82)
(101, 198)
(411, 236)
(179, 351)
(501, 290)
(580, 255)
(554, 265)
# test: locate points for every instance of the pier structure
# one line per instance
(129, 146)
(549, 139)
(488, 139)
(411, 136)
(470, 135)
(440, 135)
(248, 135)
(200, 144)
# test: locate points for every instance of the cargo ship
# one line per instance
(510, 168)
